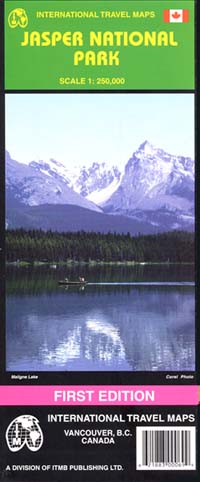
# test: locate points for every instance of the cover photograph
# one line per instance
(99, 234)
(100, 253)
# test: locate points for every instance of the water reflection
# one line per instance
(128, 328)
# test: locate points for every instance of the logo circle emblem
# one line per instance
(24, 430)
(17, 18)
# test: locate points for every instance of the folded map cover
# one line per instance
(99, 365)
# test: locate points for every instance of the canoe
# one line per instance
(73, 283)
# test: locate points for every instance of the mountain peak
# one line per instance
(147, 147)
(156, 186)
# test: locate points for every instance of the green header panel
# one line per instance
(99, 45)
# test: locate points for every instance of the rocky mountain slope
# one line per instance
(156, 190)
(156, 186)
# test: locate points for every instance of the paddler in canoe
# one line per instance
(66, 281)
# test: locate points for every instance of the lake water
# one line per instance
(128, 318)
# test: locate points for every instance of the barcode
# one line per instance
(166, 448)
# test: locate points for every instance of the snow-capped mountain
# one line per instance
(53, 169)
(155, 184)
(33, 185)
(98, 182)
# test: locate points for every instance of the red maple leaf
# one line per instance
(176, 15)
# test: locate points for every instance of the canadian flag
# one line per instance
(176, 16)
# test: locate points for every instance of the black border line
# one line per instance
(88, 378)
(100, 91)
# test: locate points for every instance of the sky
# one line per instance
(79, 129)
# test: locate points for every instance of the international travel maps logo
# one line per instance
(24, 430)
(18, 18)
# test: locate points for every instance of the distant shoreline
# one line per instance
(92, 263)
(37, 247)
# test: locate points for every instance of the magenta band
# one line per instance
(99, 395)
